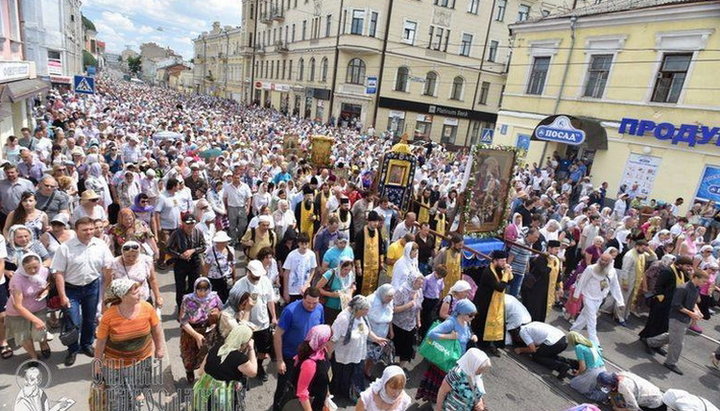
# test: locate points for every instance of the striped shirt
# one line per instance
(129, 340)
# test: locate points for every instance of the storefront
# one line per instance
(18, 88)
(396, 122)
(448, 125)
(665, 160)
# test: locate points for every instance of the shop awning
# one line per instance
(567, 129)
(23, 89)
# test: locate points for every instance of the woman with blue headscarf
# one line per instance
(456, 327)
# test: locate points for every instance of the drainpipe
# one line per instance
(337, 56)
(382, 63)
(573, 22)
(227, 53)
(251, 92)
(482, 63)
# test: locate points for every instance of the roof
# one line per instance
(614, 6)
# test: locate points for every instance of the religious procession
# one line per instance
(355, 270)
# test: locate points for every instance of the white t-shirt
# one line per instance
(301, 267)
(538, 333)
(356, 349)
(259, 315)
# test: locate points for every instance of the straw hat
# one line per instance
(89, 195)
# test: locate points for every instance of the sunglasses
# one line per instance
(130, 247)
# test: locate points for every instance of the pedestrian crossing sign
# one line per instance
(84, 85)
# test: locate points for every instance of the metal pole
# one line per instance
(382, 64)
(335, 63)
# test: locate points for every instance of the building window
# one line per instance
(324, 69)
(373, 24)
(523, 12)
(484, 91)
(401, 81)
(304, 29)
(289, 75)
(355, 72)
(409, 29)
(293, 33)
(439, 37)
(465, 44)
(492, 50)
(328, 25)
(430, 83)
(473, 6)
(501, 7)
(538, 74)
(312, 69)
(445, 3)
(598, 75)
(358, 21)
(671, 77)
(301, 69)
(457, 88)
(284, 69)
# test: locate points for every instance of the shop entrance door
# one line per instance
(350, 113)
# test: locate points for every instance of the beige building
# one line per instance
(218, 63)
(433, 69)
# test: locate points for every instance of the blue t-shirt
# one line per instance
(296, 321)
(591, 356)
(332, 255)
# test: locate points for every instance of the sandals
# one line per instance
(6, 352)
(45, 352)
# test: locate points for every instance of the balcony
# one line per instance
(265, 18)
(260, 49)
(281, 47)
(277, 14)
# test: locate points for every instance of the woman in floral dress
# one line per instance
(199, 312)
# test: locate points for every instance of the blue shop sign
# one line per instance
(709, 188)
(560, 131)
(691, 134)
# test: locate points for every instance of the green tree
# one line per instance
(134, 64)
(89, 59)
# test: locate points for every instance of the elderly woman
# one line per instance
(26, 214)
(350, 335)
(198, 311)
(227, 369)
(219, 266)
(456, 327)
(89, 207)
(379, 320)
(407, 265)
(59, 233)
(459, 291)
(336, 285)
(205, 217)
(313, 366)
(406, 318)
(27, 306)
(134, 265)
(590, 256)
(127, 189)
(130, 228)
(284, 218)
(463, 387)
(386, 393)
(129, 334)
(590, 364)
(97, 181)
(143, 210)
(20, 242)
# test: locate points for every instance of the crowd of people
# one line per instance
(275, 260)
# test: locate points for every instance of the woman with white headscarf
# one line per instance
(680, 400)
(406, 319)
(463, 388)
(386, 393)
(551, 231)
(379, 320)
(406, 266)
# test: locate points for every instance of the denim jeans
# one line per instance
(515, 284)
(424, 268)
(83, 310)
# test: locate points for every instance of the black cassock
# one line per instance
(657, 321)
(534, 290)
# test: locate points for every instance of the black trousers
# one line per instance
(220, 286)
(548, 356)
(282, 381)
(186, 272)
(426, 315)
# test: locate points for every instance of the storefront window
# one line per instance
(319, 110)
(448, 134)
(396, 125)
(308, 107)
(350, 114)
(422, 130)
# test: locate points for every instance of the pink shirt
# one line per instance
(29, 290)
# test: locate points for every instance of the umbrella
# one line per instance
(212, 152)
(167, 135)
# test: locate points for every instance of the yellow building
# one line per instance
(218, 65)
(432, 68)
(638, 77)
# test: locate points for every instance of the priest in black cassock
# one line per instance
(541, 282)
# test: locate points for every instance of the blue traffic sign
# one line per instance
(560, 131)
(84, 84)
(487, 136)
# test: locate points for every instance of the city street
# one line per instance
(512, 384)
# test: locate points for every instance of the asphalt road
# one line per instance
(513, 383)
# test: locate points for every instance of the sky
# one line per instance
(172, 23)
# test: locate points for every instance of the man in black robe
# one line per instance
(541, 282)
(667, 280)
